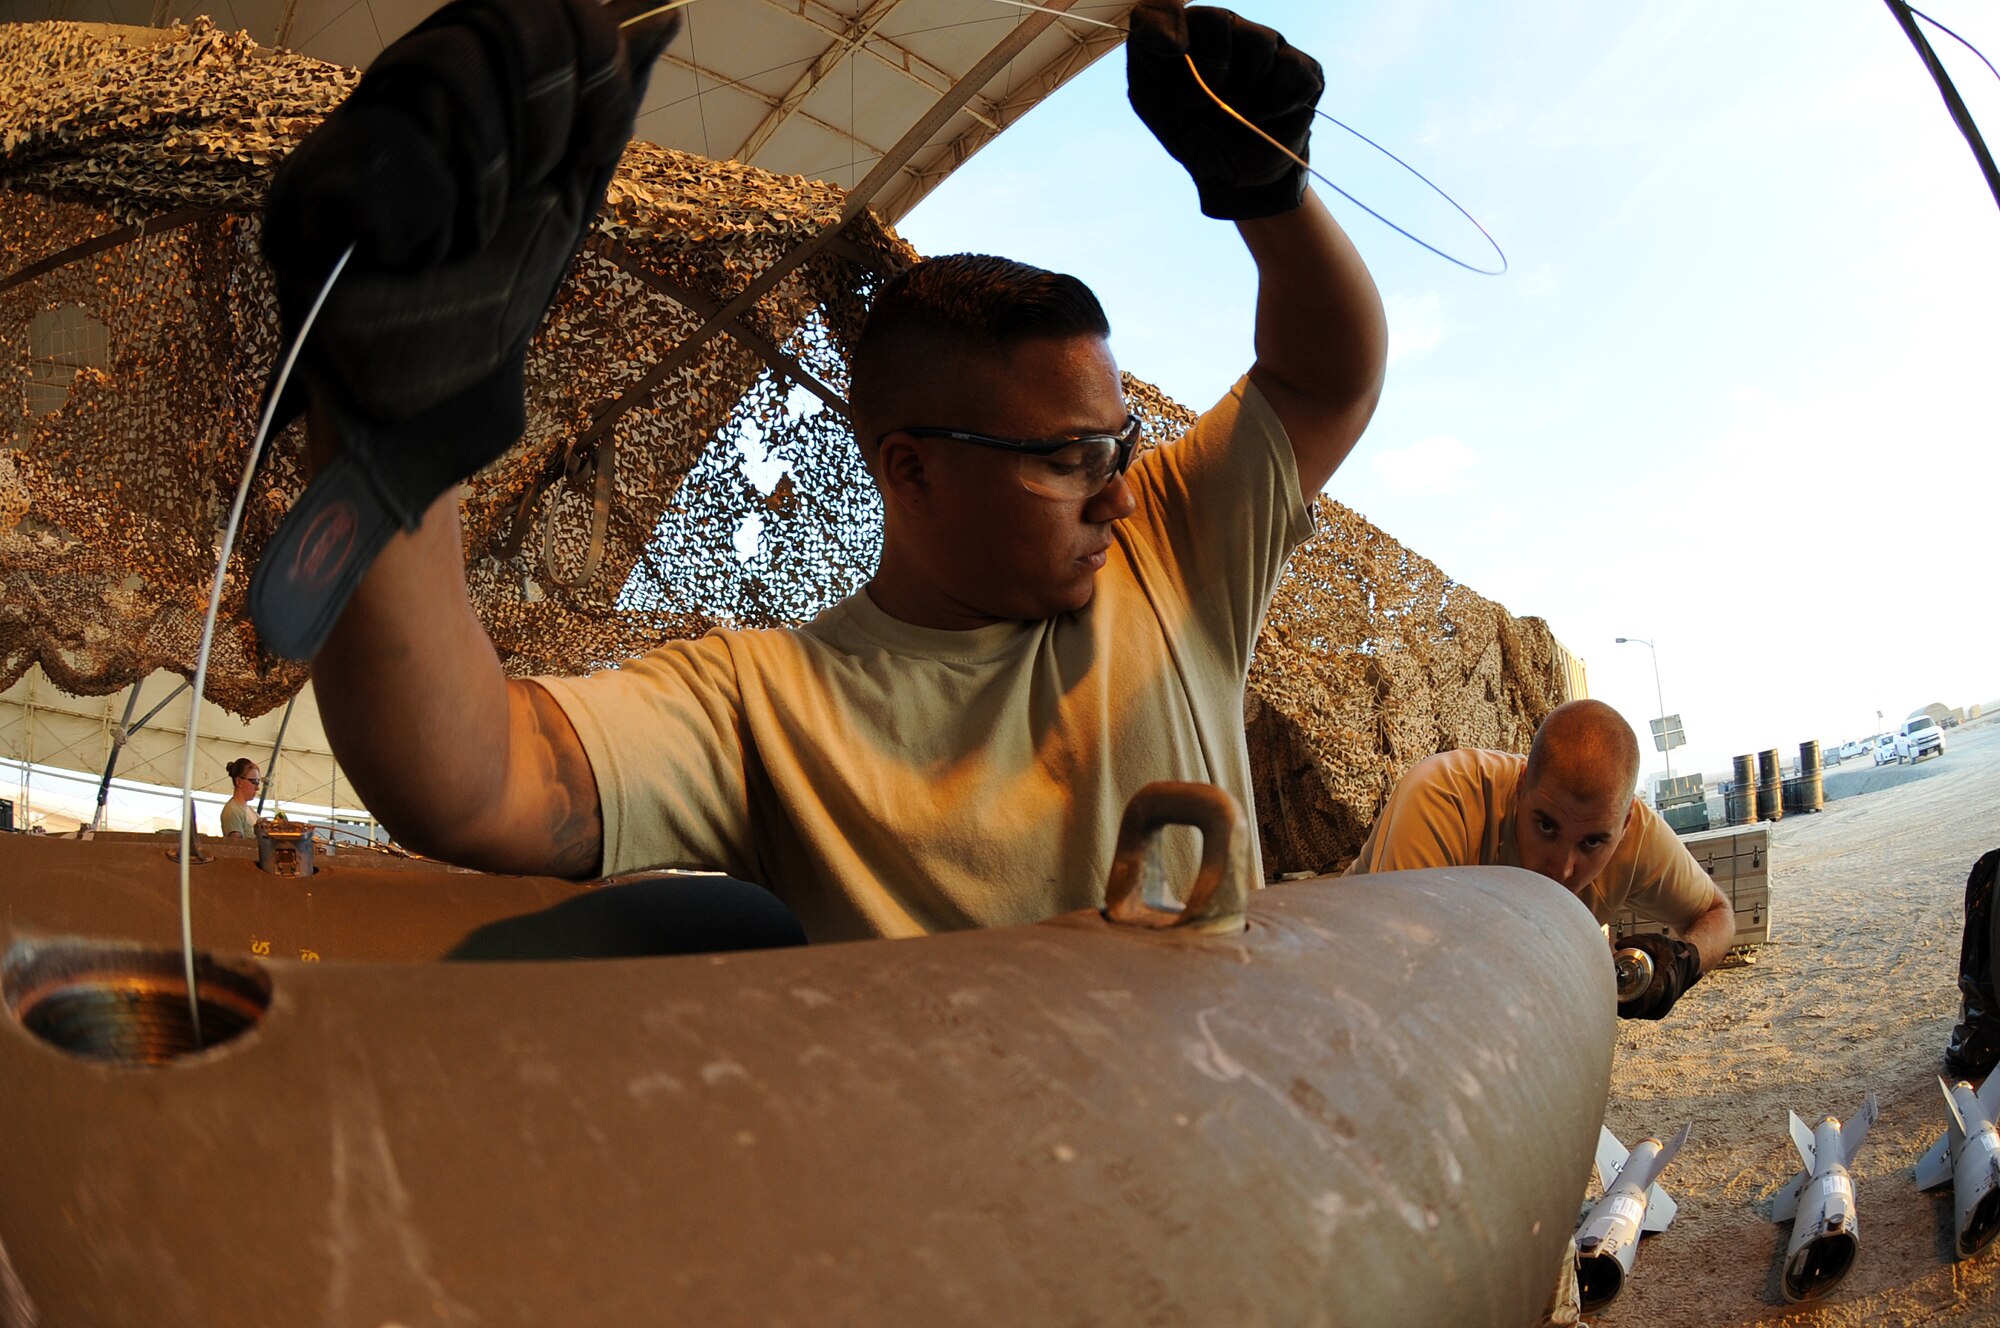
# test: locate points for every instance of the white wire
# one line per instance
(208, 636)
(1063, 13)
(1237, 116)
(656, 9)
(1308, 167)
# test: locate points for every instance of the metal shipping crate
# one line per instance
(1738, 859)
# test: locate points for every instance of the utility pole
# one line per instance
(1659, 697)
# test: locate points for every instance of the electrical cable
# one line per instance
(1954, 104)
(208, 636)
(1955, 37)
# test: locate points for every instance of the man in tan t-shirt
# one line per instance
(1566, 810)
(1058, 617)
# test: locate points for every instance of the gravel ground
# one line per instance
(1856, 993)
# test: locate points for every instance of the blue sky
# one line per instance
(1736, 393)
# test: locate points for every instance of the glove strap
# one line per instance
(1231, 202)
(326, 543)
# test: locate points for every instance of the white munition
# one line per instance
(1825, 1238)
(1608, 1240)
(1968, 1155)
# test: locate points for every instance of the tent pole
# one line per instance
(111, 757)
(271, 766)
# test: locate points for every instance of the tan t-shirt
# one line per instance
(886, 779)
(1456, 809)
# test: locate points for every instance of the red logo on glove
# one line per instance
(324, 547)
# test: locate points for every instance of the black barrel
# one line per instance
(1740, 798)
(1770, 787)
(1812, 779)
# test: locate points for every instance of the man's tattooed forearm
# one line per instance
(575, 823)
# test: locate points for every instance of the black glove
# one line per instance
(465, 169)
(1249, 66)
(1676, 967)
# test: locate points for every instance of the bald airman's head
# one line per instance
(1576, 796)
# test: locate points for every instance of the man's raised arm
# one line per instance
(455, 185)
(457, 761)
(1322, 339)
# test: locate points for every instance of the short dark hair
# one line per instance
(965, 301)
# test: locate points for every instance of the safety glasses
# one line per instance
(1076, 467)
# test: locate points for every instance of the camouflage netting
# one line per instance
(125, 457)
(734, 494)
(1372, 659)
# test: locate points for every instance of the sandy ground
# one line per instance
(1855, 993)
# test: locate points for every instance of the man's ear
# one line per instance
(1625, 826)
(899, 470)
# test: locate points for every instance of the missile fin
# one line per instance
(1673, 1147)
(1989, 1097)
(1661, 1210)
(1855, 1132)
(1802, 1139)
(1934, 1167)
(1957, 1130)
(1611, 1156)
(1785, 1206)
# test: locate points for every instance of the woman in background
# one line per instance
(238, 820)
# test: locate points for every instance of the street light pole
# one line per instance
(1659, 697)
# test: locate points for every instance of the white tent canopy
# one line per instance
(882, 97)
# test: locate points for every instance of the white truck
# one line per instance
(1919, 737)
